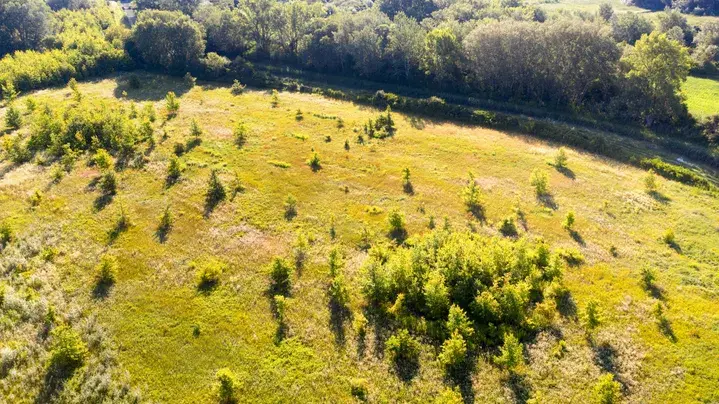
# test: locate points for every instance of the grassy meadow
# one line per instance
(171, 338)
(702, 96)
(592, 6)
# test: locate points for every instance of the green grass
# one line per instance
(154, 307)
(702, 96)
(592, 6)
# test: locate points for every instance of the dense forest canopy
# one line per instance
(506, 50)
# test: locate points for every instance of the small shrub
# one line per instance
(67, 351)
(106, 271)
(511, 355)
(36, 198)
(607, 390)
(340, 123)
(13, 119)
(172, 105)
(572, 256)
(560, 160)
(173, 170)
(651, 184)
(275, 99)
(454, 354)
(407, 181)
(189, 80)
(508, 228)
(359, 389)
(591, 317)
(403, 350)
(314, 162)
(215, 190)
(668, 237)
(648, 278)
(281, 303)
(359, 325)
(179, 149)
(539, 180)
(290, 207)
(299, 116)
(333, 230)
(76, 94)
(240, 134)
(280, 272)
(569, 221)
(397, 229)
(347, 145)
(338, 293)
(300, 250)
(195, 130)
(431, 225)
(108, 183)
(165, 224)
(30, 104)
(148, 111)
(436, 295)
(449, 396)
(237, 88)
(227, 386)
(6, 235)
(207, 275)
(472, 197)
(102, 159)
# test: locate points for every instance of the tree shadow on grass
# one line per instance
(210, 205)
(53, 383)
(162, 233)
(101, 290)
(665, 327)
(547, 200)
(566, 306)
(120, 227)
(102, 201)
(660, 197)
(152, 87)
(398, 235)
(676, 247)
(606, 358)
(577, 237)
(339, 315)
(520, 387)
(566, 171)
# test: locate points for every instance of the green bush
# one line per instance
(436, 295)
(240, 134)
(569, 221)
(472, 197)
(195, 130)
(172, 105)
(280, 273)
(560, 160)
(13, 119)
(511, 356)
(338, 292)
(650, 182)
(67, 350)
(102, 159)
(407, 181)
(36, 198)
(108, 183)
(190, 81)
(173, 170)
(668, 237)
(403, 350)
(290, 207)
(539, 180)
(397, 230)
(591, 317)
(359, 389)
(215, 190)
(648, 278)
(165, 225)
(6, 235)
(275, 99)
(227, 386)
(207, 275)
(237, 88)
(607, 390)
(299, 116)
(453, 356)
(508, 227)
(314, 162)
(106, 271)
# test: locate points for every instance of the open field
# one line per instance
(592, 6)
(172, 338)
(702, 96)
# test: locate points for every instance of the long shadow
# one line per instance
(152, 87)
(656, 292)
(566, 306)
(210, 205)
(566, 171)
(676, 247)
(547, 200)
(102, 201)
(520, 387)
(666, 328)
(577, 237)
(408, 188)
(53, 383)
(101, 290)
(660, 197)
(606, 357)
(399, 235)
(162, 233)
(120, 227)
(339, 314)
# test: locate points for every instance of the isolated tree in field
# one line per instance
(314, 162)
(650, 182)
(173, 170)
(23, 24)
(107, 270)
(472, 197)
(240, 134)
(13, 119)
(560, 160)
(172, 105)
(195, 130)
(407, 181)
(290, 207)
(397, 230)
(280, 272)
(215, 190)
(275, 99)
(657, 67)
(539, 180)
(227, 386)
(165, 225)
(169, 40)
(569, 221)
(591, 317)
